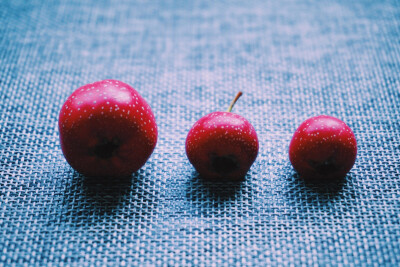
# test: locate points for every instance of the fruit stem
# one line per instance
(239, 94)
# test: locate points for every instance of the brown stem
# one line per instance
(239, 94)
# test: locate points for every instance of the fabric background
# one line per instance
(292, 59)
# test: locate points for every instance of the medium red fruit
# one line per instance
(222, 145)
(107, 129)
(323, 148)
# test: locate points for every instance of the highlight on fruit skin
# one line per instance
(323, 148)
(107, 129)
(222, 145)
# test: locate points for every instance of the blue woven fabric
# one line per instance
(292, 60)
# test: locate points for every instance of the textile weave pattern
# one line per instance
(292, 59)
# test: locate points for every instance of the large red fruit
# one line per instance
(222, 145)
(107, 129)
(323, 148)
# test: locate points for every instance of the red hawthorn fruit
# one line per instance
(222, 145)
(323, 148)
(107, 129)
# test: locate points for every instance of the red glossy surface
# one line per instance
(107, 129)
(323, 147)
(223, 135)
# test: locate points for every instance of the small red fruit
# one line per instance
(222, 145)
(323, 148)
(107, 129)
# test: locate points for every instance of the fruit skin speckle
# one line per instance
(323, 148)
(222, 146)
(107, 129)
